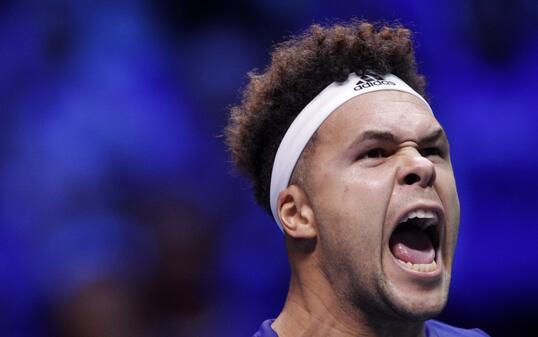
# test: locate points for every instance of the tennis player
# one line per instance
(344, 151)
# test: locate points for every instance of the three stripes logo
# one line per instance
(370, 79)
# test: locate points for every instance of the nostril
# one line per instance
(411, 178)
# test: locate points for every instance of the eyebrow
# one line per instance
(437, 134)
(389, 136)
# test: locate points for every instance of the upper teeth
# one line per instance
(422, 214)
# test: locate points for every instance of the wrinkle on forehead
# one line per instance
(399, 111)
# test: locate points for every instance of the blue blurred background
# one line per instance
(121, 214)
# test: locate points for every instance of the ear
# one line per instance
(296, 214)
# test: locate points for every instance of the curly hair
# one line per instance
(301, 68)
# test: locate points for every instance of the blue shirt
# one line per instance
(433, 329)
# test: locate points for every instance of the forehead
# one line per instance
(403, 114)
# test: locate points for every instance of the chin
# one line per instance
(415, 306)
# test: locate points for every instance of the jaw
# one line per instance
(412, 294)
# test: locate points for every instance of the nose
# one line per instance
(416, 169)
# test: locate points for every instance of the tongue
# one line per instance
(412, 245)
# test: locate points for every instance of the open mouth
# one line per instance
(415, 240)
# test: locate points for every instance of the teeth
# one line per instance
(422, 214)
(427, 267)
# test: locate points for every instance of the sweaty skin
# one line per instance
(376, 157)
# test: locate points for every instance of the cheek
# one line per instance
(355, 201)
(449, 197)
(350, 210)
(371, 191)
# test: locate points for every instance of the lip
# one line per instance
(432, 207)
(440, 228)
(430, 276)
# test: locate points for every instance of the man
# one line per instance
(346, 154)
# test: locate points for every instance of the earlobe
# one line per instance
(296, 214)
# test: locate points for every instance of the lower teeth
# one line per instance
(424, 267)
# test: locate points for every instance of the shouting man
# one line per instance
(343, 150)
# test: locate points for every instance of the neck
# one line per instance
(313, 309)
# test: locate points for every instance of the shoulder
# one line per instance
(266, 330)
(438, 329)
(433, 329)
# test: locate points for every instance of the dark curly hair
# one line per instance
(300, 68)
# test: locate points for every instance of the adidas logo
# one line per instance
(370, 79)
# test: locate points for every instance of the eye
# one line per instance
(375, 153)
(431, 151)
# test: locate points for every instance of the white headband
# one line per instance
(314, 114)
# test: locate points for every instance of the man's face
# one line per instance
(378, 159)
